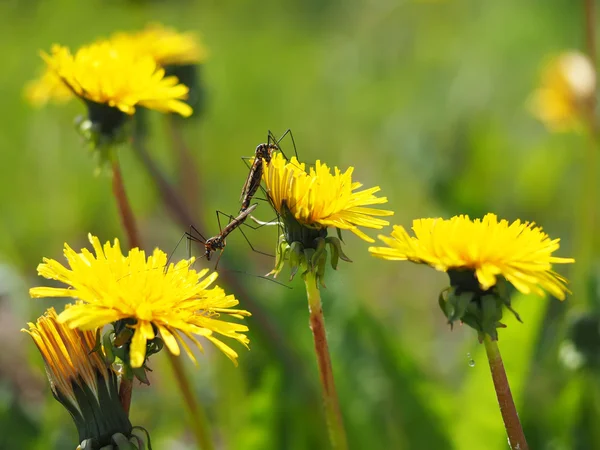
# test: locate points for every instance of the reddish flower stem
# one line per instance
(333, 415)
(128, 222)
(200, 425)
(189, 180)
(125, 211)
(125, 392)
(514, 430)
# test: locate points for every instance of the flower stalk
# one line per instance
(190, 181)
(200, 425)
(514, 430)
(125, 211)
(125, 393)
(335, 424)
(133, 237)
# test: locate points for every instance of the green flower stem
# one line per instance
(125, 211)
(333, 415)
(514, 430)
(200, 425)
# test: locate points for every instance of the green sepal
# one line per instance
(337, 244)
(321, 265)
(480, 309)
(295, 252)
(308, 258)
(309, 255)
(146, 433)
(122, 443)
(453, 305)
(280, 256)
(339, 233)
(86, 445)
(335, 256)
(443, 298)
(141, 374)
(107, 343)
(319, 251)
(98, 343)
(124, 336)
(154, 346)
(491, 314)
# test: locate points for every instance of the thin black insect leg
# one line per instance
(188, 244)
(271, 139)
(252, 247)
(293, 142)
(198, 237)
(246, 224)
(231, 218)
(218, 259)
(289, 131)
(246, 160)
(219, 219)
(174, 250)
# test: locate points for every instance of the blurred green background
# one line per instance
(425, 99)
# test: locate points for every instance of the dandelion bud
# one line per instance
(81, 380)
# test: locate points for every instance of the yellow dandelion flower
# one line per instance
(49, 87)
(567, 86)
(320, 199)
(80, 378)
(108, 74)
(166, 45)
(173, 302)
(520, 251)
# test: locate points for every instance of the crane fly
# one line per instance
(217, 242)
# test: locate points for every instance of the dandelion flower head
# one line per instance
(166, 45)
(173, 301)
(48, 87)
(109, 74)
(321, 199)
(519, 251)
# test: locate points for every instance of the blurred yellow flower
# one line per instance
(165, 45)
(173, 301)
(49, 87)
(567, 87)
(319, 199)
(108, 74)
(520, 252)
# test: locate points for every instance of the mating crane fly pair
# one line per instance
(252, 184)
